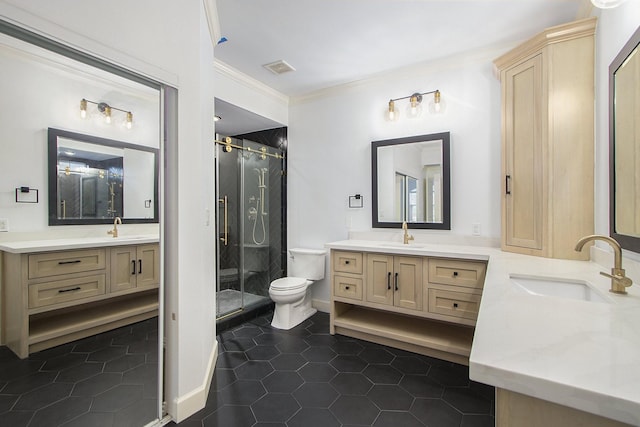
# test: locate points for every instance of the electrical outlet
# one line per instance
(475, 229)
(4, 224)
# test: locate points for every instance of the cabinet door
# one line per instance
(523, 152)
(408, 282)
(148, 268)
(123, 268)
(380, 279)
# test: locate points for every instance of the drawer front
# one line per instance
(347, 287)
(456, 304)
(61, 291)
(347, 262)
(469, 274)
(57, 263)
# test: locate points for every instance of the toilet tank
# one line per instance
(307, 263)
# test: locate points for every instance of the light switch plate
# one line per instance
(476, 229)
(4, 224)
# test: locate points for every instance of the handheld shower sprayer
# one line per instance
(260, 202)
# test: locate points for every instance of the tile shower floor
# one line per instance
(108, 379)
(307, 377)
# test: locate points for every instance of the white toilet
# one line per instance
(292, 294)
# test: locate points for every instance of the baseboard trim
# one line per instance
(186, 405)
(321, 305)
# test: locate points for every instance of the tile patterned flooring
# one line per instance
(307, 377)
(108, 379)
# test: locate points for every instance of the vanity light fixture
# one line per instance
(106, 110)
(414, 109)
(607, 4)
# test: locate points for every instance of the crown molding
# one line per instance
(211, 11)
(249, 82)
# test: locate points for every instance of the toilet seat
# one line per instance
(289, 283)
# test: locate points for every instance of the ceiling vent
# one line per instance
(279, 67)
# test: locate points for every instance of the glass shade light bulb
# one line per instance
(107, 115)
(83, 108)
(437, 105)
(414, 109)
(607, 4)
(129, 121)
(392, 114)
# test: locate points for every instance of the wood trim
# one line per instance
(557, 34)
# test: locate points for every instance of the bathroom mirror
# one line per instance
(92, 180)
(624, 145)
(410, 182)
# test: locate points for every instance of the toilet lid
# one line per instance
(289, 283)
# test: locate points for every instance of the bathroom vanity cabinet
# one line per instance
(134, 267)
(427, 305)
(50, 298)
(394, 280)
(547, 141)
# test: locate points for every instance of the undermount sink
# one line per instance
(557, 287)
(402, 245)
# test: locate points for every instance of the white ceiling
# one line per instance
(332, 42)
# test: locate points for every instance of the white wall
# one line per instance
(168, 41)
(330, 156)
(40, 91)
(615, 26)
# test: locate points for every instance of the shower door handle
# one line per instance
(225, 238)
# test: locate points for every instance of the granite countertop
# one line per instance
(45, 245)
(580, 354)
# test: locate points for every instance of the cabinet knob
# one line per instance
(346, 288)
(455, 274)
(346, 262)
(455, 305)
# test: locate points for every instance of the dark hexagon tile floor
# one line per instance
(107, 380)
(307, 377)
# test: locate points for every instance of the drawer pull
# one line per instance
(62, 291)
(75, 261)
(396, 281)
(346, 288)
(139, 266)
(455, 274)
(455, 305)
(346, 262)
(389, 281)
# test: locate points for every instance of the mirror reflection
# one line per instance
(411, 181)
(93, 180)
(625, 145)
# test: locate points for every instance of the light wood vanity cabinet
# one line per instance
(394, 280)
(134, 267)
(51, 298)
(347, 274)
(455, 288)
(547, 141)
(421, 304)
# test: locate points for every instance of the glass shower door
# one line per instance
(246, 181)
(229, 284)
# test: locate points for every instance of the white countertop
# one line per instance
(585, 355)
(45, 245)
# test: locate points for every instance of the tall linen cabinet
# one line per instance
(548, 141)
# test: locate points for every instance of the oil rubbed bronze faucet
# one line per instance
(407, 236)
(114, 232)
(618, 279)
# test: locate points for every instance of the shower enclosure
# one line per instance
(250, 225)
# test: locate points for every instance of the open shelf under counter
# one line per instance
(447, 341)
(64, 325)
